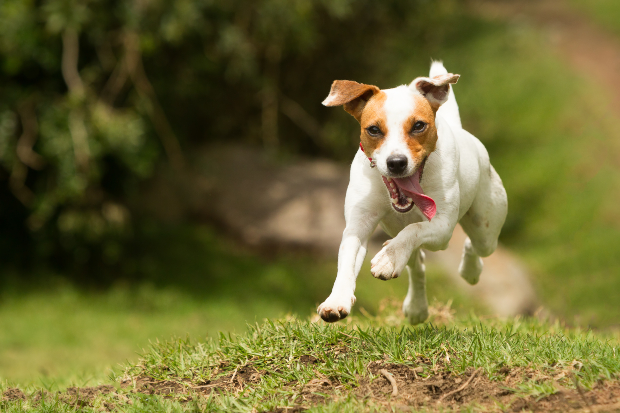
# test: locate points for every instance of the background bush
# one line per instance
(94, 95)
(98, 96)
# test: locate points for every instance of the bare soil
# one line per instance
(445, 390)
(440, 391)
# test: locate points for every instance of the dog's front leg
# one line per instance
(350, 259)
(393, 257)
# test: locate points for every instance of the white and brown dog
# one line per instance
(417, 174)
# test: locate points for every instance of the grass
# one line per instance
(57, 334)
(278, 345)
(274, 352)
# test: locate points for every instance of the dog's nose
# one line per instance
(397, 163)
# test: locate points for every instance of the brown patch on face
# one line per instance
(373, 115)
(421, 144)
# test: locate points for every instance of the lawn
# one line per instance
(367, 364)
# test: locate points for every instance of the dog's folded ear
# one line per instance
(352, 95)
(435, 89)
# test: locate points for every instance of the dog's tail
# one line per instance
(449, 110)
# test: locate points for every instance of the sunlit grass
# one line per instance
(275, 348)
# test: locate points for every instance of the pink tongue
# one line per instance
(411, 187)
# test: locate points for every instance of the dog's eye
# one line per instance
(419, 126)
(374, 131)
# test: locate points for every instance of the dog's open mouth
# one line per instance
(400, 201)
(407, 192)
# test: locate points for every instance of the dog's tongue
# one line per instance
(411, 187)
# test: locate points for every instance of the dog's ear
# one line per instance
(435, 89)
(352, 95)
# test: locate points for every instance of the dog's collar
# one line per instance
(372, 163)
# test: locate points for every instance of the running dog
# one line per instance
(417, 174)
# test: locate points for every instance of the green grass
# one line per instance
(277, 345)
(57, 334)
(343, 353)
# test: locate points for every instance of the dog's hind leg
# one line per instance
(415, 306)
(471, 264)
(483, 223)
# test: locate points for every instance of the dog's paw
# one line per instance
(471, 268)
(389, 262)
(416, 314)
(336, 308)
(417, 317)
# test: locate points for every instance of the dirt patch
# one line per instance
(234, 381)
(12, 395)
(231, 382)
(84, 396)
(316, 391)
(418, 389)
(443, 390)
(398, 387)
(148, 385)
(603, 398)
(74, 396)
(287, 410)
(308, 360)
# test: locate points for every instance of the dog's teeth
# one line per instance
(392, 184)
(394, 201)
(409, 200)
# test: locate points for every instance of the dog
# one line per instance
(417, 174)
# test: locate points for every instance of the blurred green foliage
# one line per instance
(604, 12)
(95, 94)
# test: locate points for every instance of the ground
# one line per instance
(369, 364)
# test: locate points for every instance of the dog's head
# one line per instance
(397, 128)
